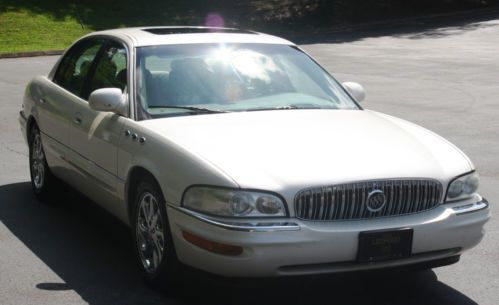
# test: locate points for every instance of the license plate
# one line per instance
(384, 245)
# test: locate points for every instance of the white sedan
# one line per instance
(234, 152)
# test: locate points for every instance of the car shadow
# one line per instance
(91, 252)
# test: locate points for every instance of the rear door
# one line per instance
(57, 101)
(94, 136)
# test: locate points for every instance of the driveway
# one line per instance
(443, 75)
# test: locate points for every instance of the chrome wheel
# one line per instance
(37, 162)
(149, 232)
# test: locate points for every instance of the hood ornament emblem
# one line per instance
(376, 200)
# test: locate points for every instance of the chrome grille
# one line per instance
(349, 201)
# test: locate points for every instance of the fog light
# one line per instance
(212, 246)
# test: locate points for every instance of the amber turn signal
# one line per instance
(212, 246)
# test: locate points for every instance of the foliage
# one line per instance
(27, 25)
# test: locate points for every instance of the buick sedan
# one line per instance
(236, 153)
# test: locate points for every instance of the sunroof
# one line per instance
(167, 31)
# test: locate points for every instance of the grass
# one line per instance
(35, 25)
(43, 25)
(22, 31)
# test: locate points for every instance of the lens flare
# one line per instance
(214, 20)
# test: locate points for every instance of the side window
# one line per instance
(76, 64)
(110, 69)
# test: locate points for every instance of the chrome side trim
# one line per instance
(471, 207)
(244, 227)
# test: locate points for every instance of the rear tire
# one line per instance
(42, 180)
(152, 240)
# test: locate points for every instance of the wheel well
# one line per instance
(136, 175)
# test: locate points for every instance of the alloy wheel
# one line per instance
(149, 232)
(37, 162)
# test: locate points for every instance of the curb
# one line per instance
(31, 54)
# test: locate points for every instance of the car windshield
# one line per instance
(210, 78)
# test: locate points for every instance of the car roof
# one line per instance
(165, 35)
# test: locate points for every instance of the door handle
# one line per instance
(77, 118)
(43, 100)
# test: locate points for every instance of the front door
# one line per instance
(94, 136)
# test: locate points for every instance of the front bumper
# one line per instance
(297, 247)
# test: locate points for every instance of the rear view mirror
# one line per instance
(108, 99)
(356, 90)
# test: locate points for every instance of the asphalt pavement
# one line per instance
(441, 74)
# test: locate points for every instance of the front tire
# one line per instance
(153, 244)
(42, 180)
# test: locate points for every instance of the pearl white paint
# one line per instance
(282, 151)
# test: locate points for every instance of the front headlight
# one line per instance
(233, 203)
(462, 187)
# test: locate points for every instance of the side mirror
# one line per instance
(356, 90)
(108, 99)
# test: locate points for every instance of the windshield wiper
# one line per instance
(285, 108)
(193, 109)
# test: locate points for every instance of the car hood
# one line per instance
(286, 150)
